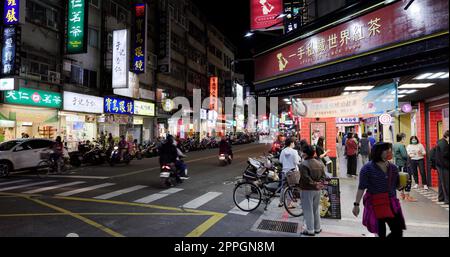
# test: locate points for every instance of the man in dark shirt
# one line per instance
(442, 162)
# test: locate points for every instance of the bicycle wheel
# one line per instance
(292, 202)
(43, 169)
(247, 196)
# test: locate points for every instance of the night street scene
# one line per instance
(244, 120)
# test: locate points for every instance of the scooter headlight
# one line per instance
(116, 148)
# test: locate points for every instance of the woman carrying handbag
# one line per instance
(379, 180)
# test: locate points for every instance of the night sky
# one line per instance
(232, 18)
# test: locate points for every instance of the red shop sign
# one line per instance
(264, 14)
(383, 27)
(213, 93)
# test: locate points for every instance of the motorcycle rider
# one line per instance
(57, 154)
(225, 148)
(169, 154)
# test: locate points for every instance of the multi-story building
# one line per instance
(72, 95)
(198, 51)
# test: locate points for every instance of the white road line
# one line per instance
(154, 197)
(199, 201)
(53, 187)
(13, 182)
(26, 185)
(238, 211)
(119, 192)
(85, 189)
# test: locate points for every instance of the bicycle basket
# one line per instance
(45, 155)
(293, 178)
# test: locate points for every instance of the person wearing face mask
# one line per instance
(378, 182)
(401, 159)
(416, 153)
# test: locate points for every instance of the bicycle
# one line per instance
(48, 166)
(255, 188)
(292, 200)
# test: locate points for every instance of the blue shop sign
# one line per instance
(11, 12)
(119, 106)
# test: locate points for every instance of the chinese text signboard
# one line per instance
(330, 200)
(82, 103)
(11, 12)
(375, 101)
(33, 97)
(213, 93)
(139, 50)
(119, 106)
(347, 120)
(77, 21)
(10, 59)
(264, 14)
(144, 108)
(120, 59)
(383, 27)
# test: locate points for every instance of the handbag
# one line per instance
(382, 203)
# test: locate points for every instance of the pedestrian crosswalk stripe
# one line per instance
(85, 189)
(154, 197)
(202, 200)
(238, 211)
(26, 185)
(13, 182)
(39, 190)
(119, 192)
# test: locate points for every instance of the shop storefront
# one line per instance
(144, 113)
(79, 118)
(117, 118)
(358, 50)
(29, 112)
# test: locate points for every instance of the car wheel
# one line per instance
(5, 169)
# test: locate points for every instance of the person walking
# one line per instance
(401, 160)
(312, 177)
(371, 138)
(442, 157)
(364, 146)
(416, 153)
(351, 151)
(378, 182)
(289, 160)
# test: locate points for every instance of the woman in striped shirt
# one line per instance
(379, 177)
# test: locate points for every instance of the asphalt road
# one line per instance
(128, 201)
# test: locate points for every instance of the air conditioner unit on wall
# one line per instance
(54, 77)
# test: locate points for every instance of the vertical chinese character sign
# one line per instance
(77, 21)
(11, 12)
(139, 49)
(213, 94)
(9, 51)
(120, 59)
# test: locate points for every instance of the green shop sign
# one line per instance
(77, 20)
(28, 96)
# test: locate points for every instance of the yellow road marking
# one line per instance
(200, 230)
(77, 216)
(100, 214)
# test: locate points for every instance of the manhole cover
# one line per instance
(280, 226)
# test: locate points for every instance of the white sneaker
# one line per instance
(425, 187)
(415, 186)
